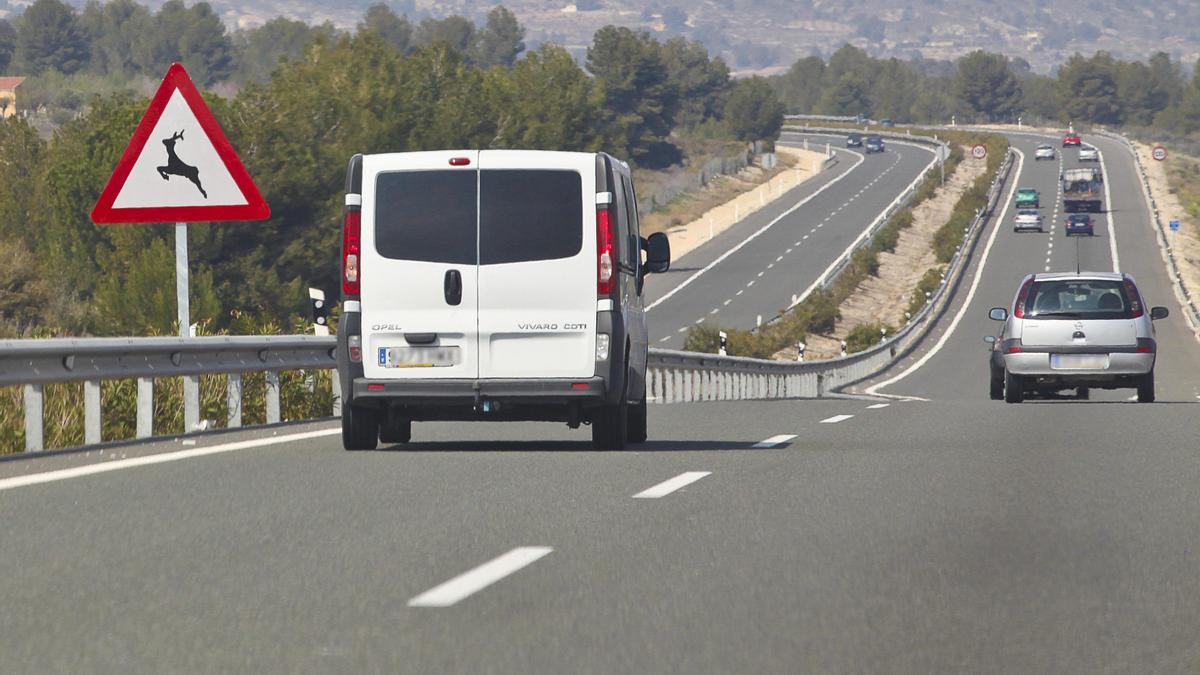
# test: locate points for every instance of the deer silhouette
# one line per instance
(176, 167)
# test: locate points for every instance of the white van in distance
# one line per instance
(493, 285)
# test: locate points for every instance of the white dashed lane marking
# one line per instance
(668, 486)
(774, 441)
(471, 582)
(835, 419)
(878, 406)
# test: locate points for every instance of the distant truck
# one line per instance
(1082, 190)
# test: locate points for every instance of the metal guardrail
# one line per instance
(36, 363)
(672, 376)
(1181, 291)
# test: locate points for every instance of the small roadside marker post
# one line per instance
(724, 339)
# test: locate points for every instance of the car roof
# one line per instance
(1058, 276)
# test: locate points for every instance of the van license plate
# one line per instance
(419, 357)
(1079, 361)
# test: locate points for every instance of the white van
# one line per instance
(493, 285)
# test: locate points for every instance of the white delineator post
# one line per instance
(191, 383)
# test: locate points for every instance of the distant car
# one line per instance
(1074, 331)
(1080, 223)
(1028, 219)
(887, 122)
(874, 144)
(854, 140)
(1072, 139)
(1028, 198)
(1089, 154)
(1043, 152)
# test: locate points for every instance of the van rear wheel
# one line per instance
(610, 426)
(637, 421)
(360, 428)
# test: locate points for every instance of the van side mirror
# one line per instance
(998, 314)
(1157, 313)
(658, 253)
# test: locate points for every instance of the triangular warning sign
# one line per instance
(179, 167)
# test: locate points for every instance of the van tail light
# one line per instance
(351, 253)
(1146, 346)
(605, 266)
(1135, 299)
(1022, 297)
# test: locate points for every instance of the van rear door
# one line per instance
(419, 270)
(537, 272)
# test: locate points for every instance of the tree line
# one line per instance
(986, 87)
(382, 88)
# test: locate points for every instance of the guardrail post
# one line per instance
(145, 407)
(233, 399)
(32, 401)
(272, 397)
(191, 403)
(91, 412)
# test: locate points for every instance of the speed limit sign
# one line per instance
(979, 151)
(1159, 153)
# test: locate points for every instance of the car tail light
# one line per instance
(1135, 299)
(1146, 346)
(1012, 346)
(351, 253)
(605, 267)
(1022, 297)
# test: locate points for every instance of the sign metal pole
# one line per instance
(191, 383)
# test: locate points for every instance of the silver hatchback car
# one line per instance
(1074, 331)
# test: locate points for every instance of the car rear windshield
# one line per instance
(1068, 299)
(427, 216)
(529, 215)
(431, 216)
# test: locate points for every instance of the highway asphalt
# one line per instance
(737, 288)
(956, 534)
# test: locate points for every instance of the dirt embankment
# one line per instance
(728, 199)
(1185, 243)
(884, 298)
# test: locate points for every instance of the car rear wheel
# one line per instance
(395, 429)
(1013, 393)
(610, 426)
(1145, 388)
(996, 385)
(360, 428)
(638, 422)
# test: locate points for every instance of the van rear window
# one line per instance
(427, 216)
(529, 215)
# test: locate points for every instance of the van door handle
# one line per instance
(453, 287)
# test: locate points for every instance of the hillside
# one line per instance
(764, 35)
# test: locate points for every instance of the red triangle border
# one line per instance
(256, 207)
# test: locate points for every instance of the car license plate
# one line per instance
(1079, 361)
(419, 357)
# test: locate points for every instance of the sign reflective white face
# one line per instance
(179, 166)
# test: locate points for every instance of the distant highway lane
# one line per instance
(760, 278)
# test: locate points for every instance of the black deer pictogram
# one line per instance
(176, 167)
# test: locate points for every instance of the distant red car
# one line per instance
(1072, 139)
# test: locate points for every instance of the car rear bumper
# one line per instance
(1027, 226)
(1037, 364)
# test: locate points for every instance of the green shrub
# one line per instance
(928, 283)
(865, 336)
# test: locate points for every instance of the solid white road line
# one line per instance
(105, 467)
(878, 406)
(774, 441)
(835, 419)
(471, 582)
(752, 237)
(970, 292)
(668, 486)
(1108, 206)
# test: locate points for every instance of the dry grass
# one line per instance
(691, 205)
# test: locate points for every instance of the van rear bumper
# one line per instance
(590, 390)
